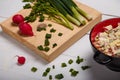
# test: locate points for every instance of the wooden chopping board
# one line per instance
(66, 40)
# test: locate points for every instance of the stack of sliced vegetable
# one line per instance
(64, 12)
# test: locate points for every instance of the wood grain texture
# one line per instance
(69, 37)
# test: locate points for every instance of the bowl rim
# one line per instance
(92, 31)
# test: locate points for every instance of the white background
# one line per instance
(9, 48)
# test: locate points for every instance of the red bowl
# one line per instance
(111, 62)
(100, 27)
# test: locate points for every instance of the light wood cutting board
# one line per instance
(66, 40)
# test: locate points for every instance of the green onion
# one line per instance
(59, 76)
(85, 67)
(53, 66)
(54, 45)
(50, 77)
(47, 70)
(48, 36)
(79, 60)
(45, 74)
(47, 43)
(60, 34)
(46, 49)
(33, 69)
(63, 65)
(70, 61)
(40, 47)
(49, 25)
(27, 6)
(52, 30)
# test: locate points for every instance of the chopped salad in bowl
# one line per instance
(108, 41)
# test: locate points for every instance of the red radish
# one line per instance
(18, 18)
(21, 60)
(25, 29)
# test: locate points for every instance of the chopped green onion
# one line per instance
(60, 34)
(54, 45)
(45, 74)
(49, 25)
(50, 77)
(53, 66)
(74, 73)
(63, 65)
(40, 47)
(85, 67)
(47, 43)
(33, 69)
(48, 36)
(27, 6)
(47, 70)
(41, 28)
(46, 49)
(59, 76)
(52, 30)
(79, 60)
(70, 61)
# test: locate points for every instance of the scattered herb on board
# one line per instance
(40, 47)
(47, 43)
(50, 25)
(33, 69)
(59, 76)
(41, 27)
(60, 34)
(48, 36)
(52, 30)
(54, 45)
(46, 49)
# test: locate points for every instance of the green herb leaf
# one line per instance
(27, 6)
(59, 76)
(47, 70)
(48, 36)
(33, 69)
(50, 77)
(53, 66)
(40, 47)
(46, 49)
(79, 60)
(41, 28)
(85, 67)
(74, 73)
(54, 45)
(63, 65)
(28, 0)
(49, 25)
(46, 42)
(60, 34)
(45, 74)
(70, 61)
(52, 30)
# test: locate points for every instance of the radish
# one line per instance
(25, 29)
(17, 19)
(21, 60)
